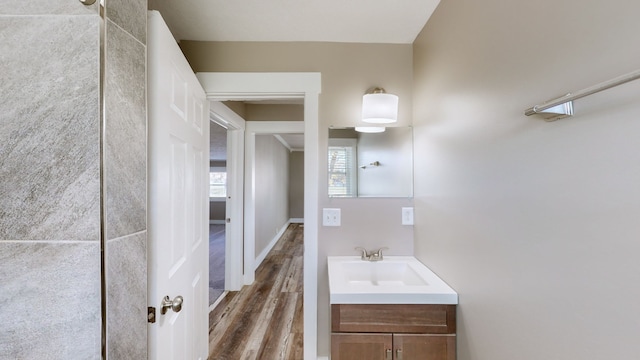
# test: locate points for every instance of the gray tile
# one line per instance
(131, 15)
(127, 297)
(49, 128)
(126, 132)
(50, 300)
(47, 7)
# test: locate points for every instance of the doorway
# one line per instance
(217, 209)
(227, 216)
(245, 86)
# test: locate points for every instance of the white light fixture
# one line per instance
(378, 107)
(370, 129)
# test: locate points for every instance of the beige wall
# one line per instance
(274, 112)
(348, 70)
(238, 107)
(535, 224)
(271, 189)
(267, 112)
(217, 211)
(296, 185)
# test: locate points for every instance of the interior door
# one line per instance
(178, 200)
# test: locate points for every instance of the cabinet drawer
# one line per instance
(405, 318)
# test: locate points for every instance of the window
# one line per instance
(217, 183)
(342, 168)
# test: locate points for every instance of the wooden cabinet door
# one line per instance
(424, 347)
(359, 346)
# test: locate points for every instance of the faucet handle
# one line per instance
(377, 254)
(365, 255)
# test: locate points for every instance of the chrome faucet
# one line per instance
(365, 254)
(374, 255)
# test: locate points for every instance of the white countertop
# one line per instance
(394, 280)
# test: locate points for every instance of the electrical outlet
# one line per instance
(330, 217)
(407, 216)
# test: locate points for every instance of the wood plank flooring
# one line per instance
(264, 320)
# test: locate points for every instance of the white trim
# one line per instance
(284, 143)
(311, 172)
(235, 85)
(263, 254)
(225, 117)
(216, 222)
(296, 221)
(218, 300)
(225, 86)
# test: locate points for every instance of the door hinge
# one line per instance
(151, 314)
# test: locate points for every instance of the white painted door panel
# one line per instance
(178, 199)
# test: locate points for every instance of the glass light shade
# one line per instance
(370, 129)
(380, 108)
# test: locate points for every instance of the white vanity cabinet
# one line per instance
(393, 332)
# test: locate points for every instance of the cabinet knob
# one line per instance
(398, 354)
(389, 355)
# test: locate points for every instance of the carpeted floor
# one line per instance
(216, 261)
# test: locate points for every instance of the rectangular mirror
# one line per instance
(370, 164)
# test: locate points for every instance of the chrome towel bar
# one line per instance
(567, 99)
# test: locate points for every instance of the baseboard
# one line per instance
(323, 358)
(216, 222)
(260, 258)
(218, 301)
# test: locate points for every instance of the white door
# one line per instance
(178, 200)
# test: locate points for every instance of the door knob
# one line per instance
(175, 304)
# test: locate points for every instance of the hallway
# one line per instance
(264, 320)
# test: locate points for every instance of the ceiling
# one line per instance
(292, 141)
(359, 21)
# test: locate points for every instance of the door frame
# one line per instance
(307, 86)
(235, 125)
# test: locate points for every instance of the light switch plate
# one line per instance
(330, 217)
(407, 216)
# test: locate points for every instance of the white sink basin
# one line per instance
(394, 280)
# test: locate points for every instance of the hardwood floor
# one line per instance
(264, 320)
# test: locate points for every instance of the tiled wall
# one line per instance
(49, 180)
(50, 183)
(125, 153)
